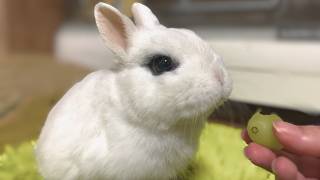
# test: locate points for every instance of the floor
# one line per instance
(30, 85)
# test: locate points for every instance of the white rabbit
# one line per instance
(141, 120)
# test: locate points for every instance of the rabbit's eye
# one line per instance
(160, 64)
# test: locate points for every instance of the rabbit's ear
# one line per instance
(144, 17)
(114, 27)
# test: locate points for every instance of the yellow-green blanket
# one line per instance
(220, 157)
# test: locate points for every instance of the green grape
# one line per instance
(260, 130)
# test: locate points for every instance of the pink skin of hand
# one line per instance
(298, 160)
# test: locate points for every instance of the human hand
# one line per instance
(298, 160)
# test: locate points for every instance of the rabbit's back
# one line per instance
(87, 136)
(73, 138)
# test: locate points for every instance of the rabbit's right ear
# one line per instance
(114, 27)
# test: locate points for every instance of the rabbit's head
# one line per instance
(164, 75)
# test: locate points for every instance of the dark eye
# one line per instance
(160, 63)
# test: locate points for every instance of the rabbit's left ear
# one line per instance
(144, 17)
(114, 27)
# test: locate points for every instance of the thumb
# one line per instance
(302, 140)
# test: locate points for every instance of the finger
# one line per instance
(259, 155)
(302, 140)
(301, 177)
(284, 169)
(245, 136)
(292, 157)
(308, 166)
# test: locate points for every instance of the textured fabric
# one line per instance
(220, 157)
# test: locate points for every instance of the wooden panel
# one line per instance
(30, 25)
(3, 26)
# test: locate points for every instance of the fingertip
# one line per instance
(246, 152)
(286, 133)
(259, 155)
(284, 169)
(302, 140)
(245, 136)
(282, 126)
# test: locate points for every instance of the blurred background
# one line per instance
(270, 47)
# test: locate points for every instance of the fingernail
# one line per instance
(282, 127)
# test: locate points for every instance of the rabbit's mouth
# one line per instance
(203, 108)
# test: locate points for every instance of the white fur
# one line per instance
(144, 17)
(128, 124)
